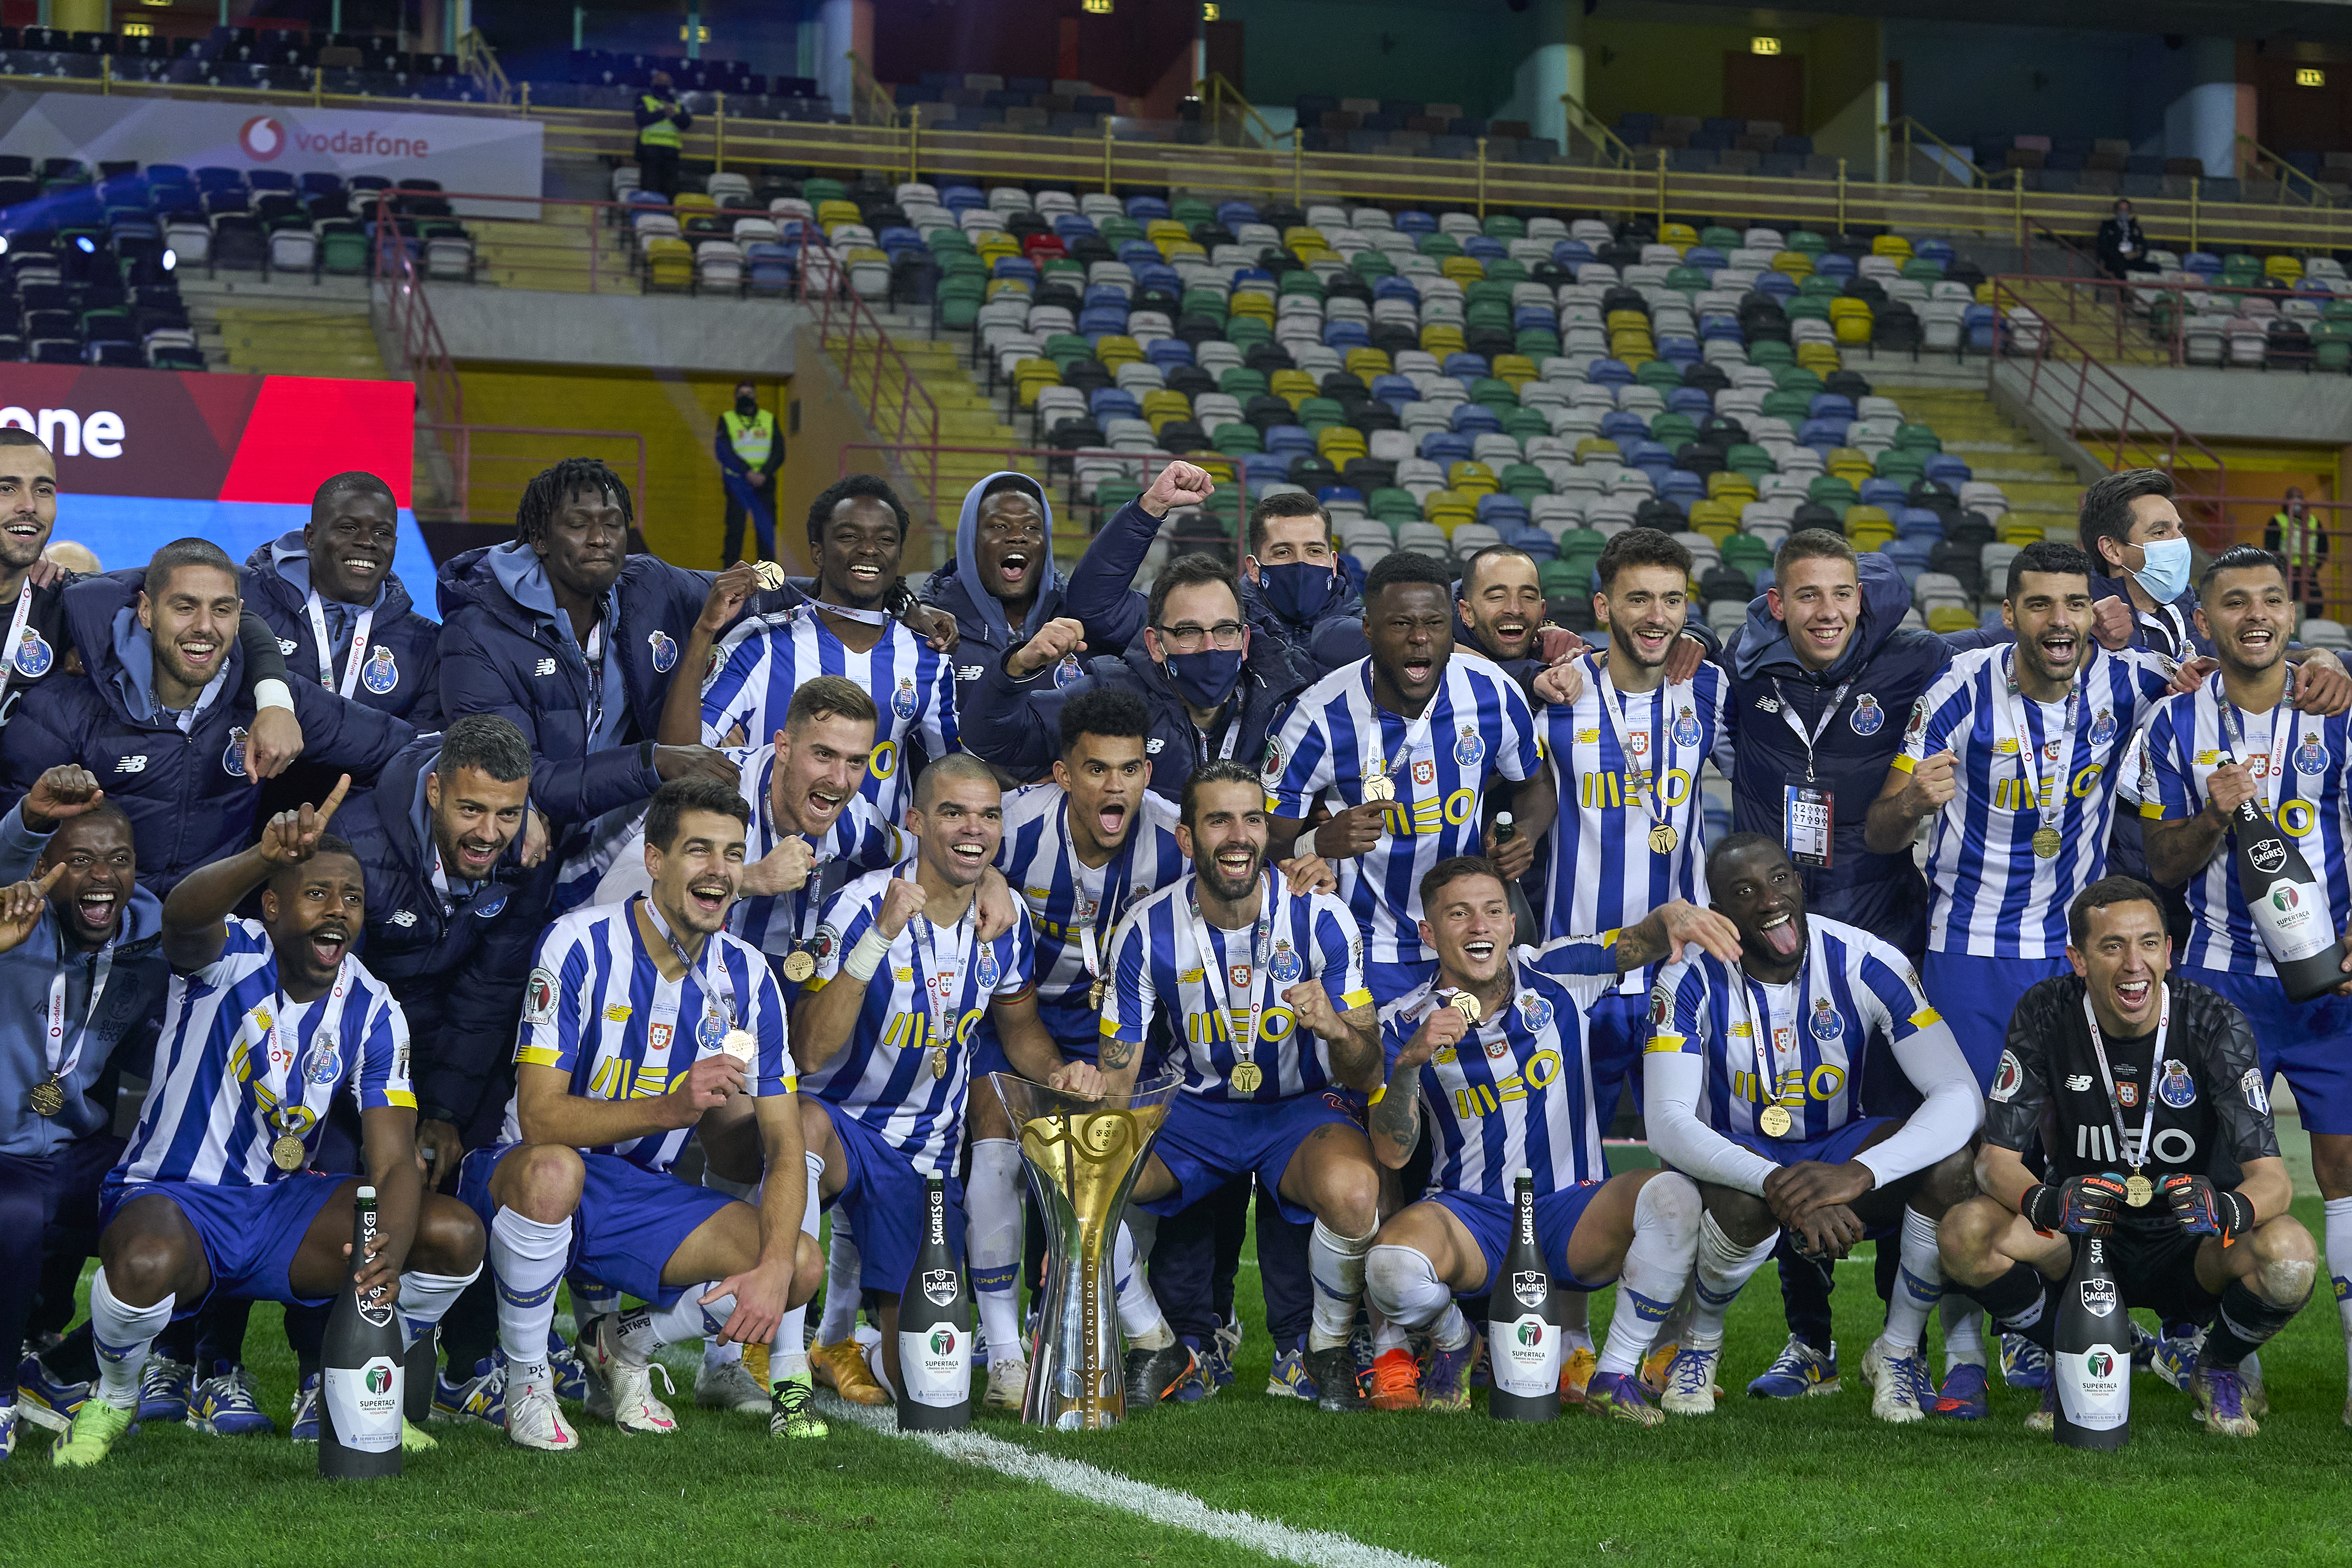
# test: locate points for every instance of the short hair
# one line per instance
(856, 487)
(1289, 503)
(1189, 572)
(2240, 558)
(2106, 509)
(328, 845)
(551, 487)
(1109, 711)
(485, 741)
(954, 765)
(1813, 544)
(103, 811)
(2104, 893)
(1641, 547)
(354, 482)
(17, 436)
(2046, 555)
(1492, 552)
(1405, 566)
(185, 552)
(1452, 870)
(830, 697)
(1733, 843)
(1221, 771)
(678, 796)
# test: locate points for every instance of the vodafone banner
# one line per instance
(488, 152)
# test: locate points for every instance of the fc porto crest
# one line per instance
(1069, 673)
(1868, 716)
(2102, 728)
(664, 650)
(711, 1032)
(1285, 965)
(2176, 1088)
(989, 973)
(233, 754)
(1536, 1011)
(1468, 749)
(319, 1064)
(2311, 757)
(32, 656)
(1827, 1024)
(381, 673)
(1686, 731)
(903, 700)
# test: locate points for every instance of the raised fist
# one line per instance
(1179, 484)
(1054, 641)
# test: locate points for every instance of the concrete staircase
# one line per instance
(552, 253)
(968, 416)
(282, 333)
(2041, 487)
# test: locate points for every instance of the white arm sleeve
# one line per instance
(1671, 1084)
(1950, 1116)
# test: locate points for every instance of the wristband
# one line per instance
(272, 694)
(867, 956)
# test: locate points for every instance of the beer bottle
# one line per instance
(1523, 917)
(2288, 904)
(360, 1403)
(1522, 1344)
(935, 1328)
(2091, 1353)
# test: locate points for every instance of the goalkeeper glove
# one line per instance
(2204, 1209)
(2075, 1205)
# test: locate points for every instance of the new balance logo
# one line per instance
(287, 645)
(969, 671)
(546, 667)
(2077, 1082)
(404, 918)
(131, 766)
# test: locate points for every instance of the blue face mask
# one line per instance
(1206, 679)
(1299, 590)
(2164, 574)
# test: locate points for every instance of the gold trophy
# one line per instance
(1083, 1156)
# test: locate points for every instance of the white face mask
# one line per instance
(2165, 571)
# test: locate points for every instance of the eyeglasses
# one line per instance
(1191, 638)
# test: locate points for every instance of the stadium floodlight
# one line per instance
(171, 259)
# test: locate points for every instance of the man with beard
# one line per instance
(1753, 1085)
(750, 450)
(644, 1022)
(1498, 611)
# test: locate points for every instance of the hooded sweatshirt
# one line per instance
(403, 679)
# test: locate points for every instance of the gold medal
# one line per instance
(1465, 1004)
(770, 574)
(1775, 1120)
(1098, 991)
(1245, 1076)
(799, 965)
(1378, 786)
(2047, 843)
(2138, 1190)
(1662, 838)
(47, 1097)
(286, 1153)
(938, 1061)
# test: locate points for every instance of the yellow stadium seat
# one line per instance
(1258, 305)
(1795, 263)
(2285, 269)
(669, 264)
(1706, 516)
(1594, 447)
(1339, 442)
(1866, 518)
(1463, 269)
(1175, 249)
(1442, 338)
(1514, 368)
(1821, 358)
(1294, 386)
(827, 213)
(1893, 245)
(1681, 236)
(1948, 618)
(1368, 363)
(1161, 229)
(1732, 486)
(1114, 351)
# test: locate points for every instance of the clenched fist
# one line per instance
(1054, 641)
(1932, 784)
(1179, 484)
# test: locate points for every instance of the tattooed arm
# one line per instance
(1661, 937)
(1394, 1123)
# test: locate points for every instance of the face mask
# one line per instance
(746, 407)
(1299, 590)
(2166, 572)
(1206, 679)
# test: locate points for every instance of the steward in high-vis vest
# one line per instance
(750, 450)
(2300, 539)
(662, 124)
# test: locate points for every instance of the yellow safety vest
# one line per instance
(2295, 539)
(660, 132)
(752, 438)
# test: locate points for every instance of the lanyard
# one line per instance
(593, 653)
(299, 1076)
(61, 1065)
(16, 633)
(1649, 786)
(1759, 1027)
(1212, 974)
(352, 661)
(1416, 730)
(2136, 1153)
(724, 990)
(1117, 875)
(2049, 795)
(2282, 742)
(1231, 729)
(850, 613)
(1788, 715)
(942, 989)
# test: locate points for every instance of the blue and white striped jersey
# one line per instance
(757, 667)
(1602, 873)
(889, 1076)
(225, 1084)
(1162, 998)
(1517, 1092)
(1994, 897)
(597, 1007)
(1852, 987)
(859, 840)
(1477, 722)
(1062, 894)
(2306, 797)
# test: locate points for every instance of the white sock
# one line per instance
(592, 1298)
(1336, 1264)
(1918, 1284)
(121, 1335)
(1388, 1334)
(841, 1268)
(641, 1330)
(1722, 1269)
(2339, 1259)
(425, 1297)
(1400, 1284)
(1141, 1321)
(527, 1265)
(1963, 1322)
(788, 1357)
(870, 1345)
(1576, 1319)
(1657, 1266)
(991, 1202)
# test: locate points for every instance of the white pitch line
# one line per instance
(1314, 1548)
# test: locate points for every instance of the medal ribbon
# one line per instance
(1213, 973)
(1651, 790)
(967, 928)
(1118, 873)
(2049, 795)
(850, 613)
(1760, 1025)
(2108, 1081)
(704, 970)
(61, 1065)
(1789, 717)
(1416, 730)
(2228, 717)
(16, 634)
(273, 1112)
(352, 661)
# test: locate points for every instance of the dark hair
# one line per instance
(830, 696)
(954, 765)
(186, 553)
(1641, 547)
(103, 811)
(1813, 544)
(17, 436)
(2240, 558)
(328, 845)
(2102, 894)
(486, 742)
(2106, 509)
(1189, 572)
(1289, 503)
(1106, 711)
(1406, 566)
(1452, 870)
(678, 796)
(856, 487)
(1220, 772)
(2046, 555)
(1491, 552)
(551, 487)
(355, 483)
(1733, 843)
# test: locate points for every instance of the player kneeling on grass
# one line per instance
(2119, 1068)
(646, 1022)
(1500, 1047)
(265, 1022)
(1751, 1086)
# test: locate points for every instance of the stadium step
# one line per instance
(553, 253)
(2039, 483)
(277, 339)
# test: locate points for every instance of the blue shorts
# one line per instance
(884, 1196)
(629, 1222)
(1390, 981)
(249, 1234)
(1976, 995)
(1488, 1221)
(1831, 1148)
(2310, 1044)
(1205, 1144)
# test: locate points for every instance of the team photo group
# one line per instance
(650, 945)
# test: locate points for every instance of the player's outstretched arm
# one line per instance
(681, 715)
(1032, 1053)
(550, 1112)
(193, 916)
(1534, 806)
(1671, 1081)
(1667, 930)
(1393, 1121)
(2179, 848)
(1354, 1036)
(1913, 790)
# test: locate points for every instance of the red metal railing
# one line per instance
(2063, 380)
(2121, 313)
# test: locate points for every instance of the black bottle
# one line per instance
(360, 1397)
(935, 1328)
(1523, 1345)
